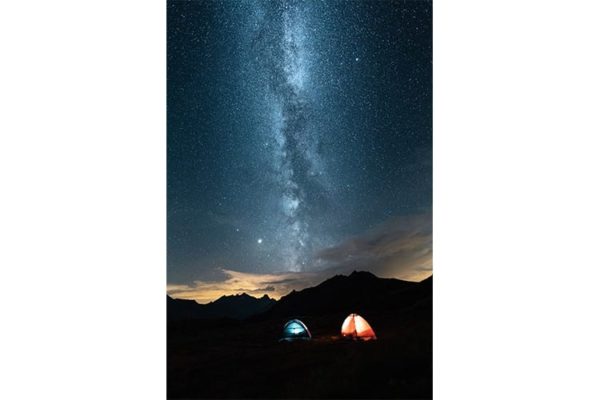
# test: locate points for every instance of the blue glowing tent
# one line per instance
(295, 330)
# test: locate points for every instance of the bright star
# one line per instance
(259, 241)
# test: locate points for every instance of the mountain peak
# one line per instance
(353, 277)
(362, 274)
(236, 306)
(360, 290)
(234, 296)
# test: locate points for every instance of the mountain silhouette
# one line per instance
(207, 358)
(239, 306)
(360, 291)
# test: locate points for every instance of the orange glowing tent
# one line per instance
(356, 326)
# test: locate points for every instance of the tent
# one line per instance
(355, 326)
(295, 330)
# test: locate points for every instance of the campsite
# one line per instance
(227, 358)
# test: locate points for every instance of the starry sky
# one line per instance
(299, 140)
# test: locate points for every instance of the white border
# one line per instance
(516, 199)
(82, 167)
(82, 209)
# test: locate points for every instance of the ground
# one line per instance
(231, 359)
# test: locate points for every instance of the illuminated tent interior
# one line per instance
(356, 326)
(295, 330)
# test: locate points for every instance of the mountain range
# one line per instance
(360, 291)
(239, 306)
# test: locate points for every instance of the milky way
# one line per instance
(292, 126)
(283, 57)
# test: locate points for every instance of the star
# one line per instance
(298, 143)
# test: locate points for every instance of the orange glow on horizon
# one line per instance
(275, 285)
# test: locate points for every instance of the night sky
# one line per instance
(299, 143)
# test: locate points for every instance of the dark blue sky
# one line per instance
(295, 128)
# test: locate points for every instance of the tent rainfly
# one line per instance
(355, 326)
(295, 330)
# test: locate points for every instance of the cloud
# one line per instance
(280, 282)
(400, 248)
(235, 282)
(259, 291)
